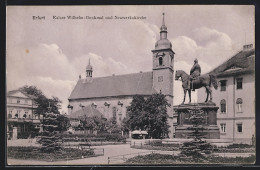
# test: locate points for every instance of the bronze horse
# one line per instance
(202, 81)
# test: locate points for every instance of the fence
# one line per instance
(123, 158)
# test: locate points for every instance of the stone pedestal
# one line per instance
(211, 130)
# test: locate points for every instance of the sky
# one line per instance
(52, 53)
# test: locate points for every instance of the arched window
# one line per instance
(114, 112)
(239, 104)
(160, 61)
(223, 106)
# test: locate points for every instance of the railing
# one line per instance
(122, 158)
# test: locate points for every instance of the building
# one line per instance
(113, 94)
(235, 96)
(21, 117)
(89, 111)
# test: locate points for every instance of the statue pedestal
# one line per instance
(211, 130)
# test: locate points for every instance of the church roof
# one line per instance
(88, 111)
(240, 63)
(117, 85)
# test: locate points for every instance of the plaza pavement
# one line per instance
(109, 150)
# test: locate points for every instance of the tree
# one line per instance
(155, 108)
(50, 142)
(41, 100)
(197, 146)
(95, 123)
(135, 113)
(63, 122)
(148, 114)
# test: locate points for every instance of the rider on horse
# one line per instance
(194, 73)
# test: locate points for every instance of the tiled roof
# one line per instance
(88, 111)
(242, 62)
(9, 93)
(120, 85)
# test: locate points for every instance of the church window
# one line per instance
(160, 61)
(223, 85)
(160, 79)
(239, 105)
(114, 112)
(239, 83)
(223, 106)
(18, 101)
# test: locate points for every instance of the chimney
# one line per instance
(248, 47)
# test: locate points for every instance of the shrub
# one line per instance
(236, 145)
(156, 142)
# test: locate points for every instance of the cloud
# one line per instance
(210, 46)
(101, 66)
(50, 70)
(54, 87)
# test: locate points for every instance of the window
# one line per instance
(223, 106)
(160, 61)
(239, 104)
(18, 113)
(239, 127)
(160, 79)
(9, 116)
(223, 127)
(239, 83)
(223, 84)
(114, 112)
(18, 101)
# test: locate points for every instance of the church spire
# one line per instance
(163, 20)
(163, 32)
(89, 70)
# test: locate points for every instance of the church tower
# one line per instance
(89, 71)
(163, 58)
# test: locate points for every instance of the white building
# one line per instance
(235, 96)
(21, 116)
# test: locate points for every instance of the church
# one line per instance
(112, 94)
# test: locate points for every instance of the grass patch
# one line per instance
(34, 153)
(171, 159)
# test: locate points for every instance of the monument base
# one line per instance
(209, 132)
(210, 128)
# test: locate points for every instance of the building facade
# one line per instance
(21, 116)
(111, 95)
(235, 96)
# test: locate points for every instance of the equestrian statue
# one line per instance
(196, 81)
